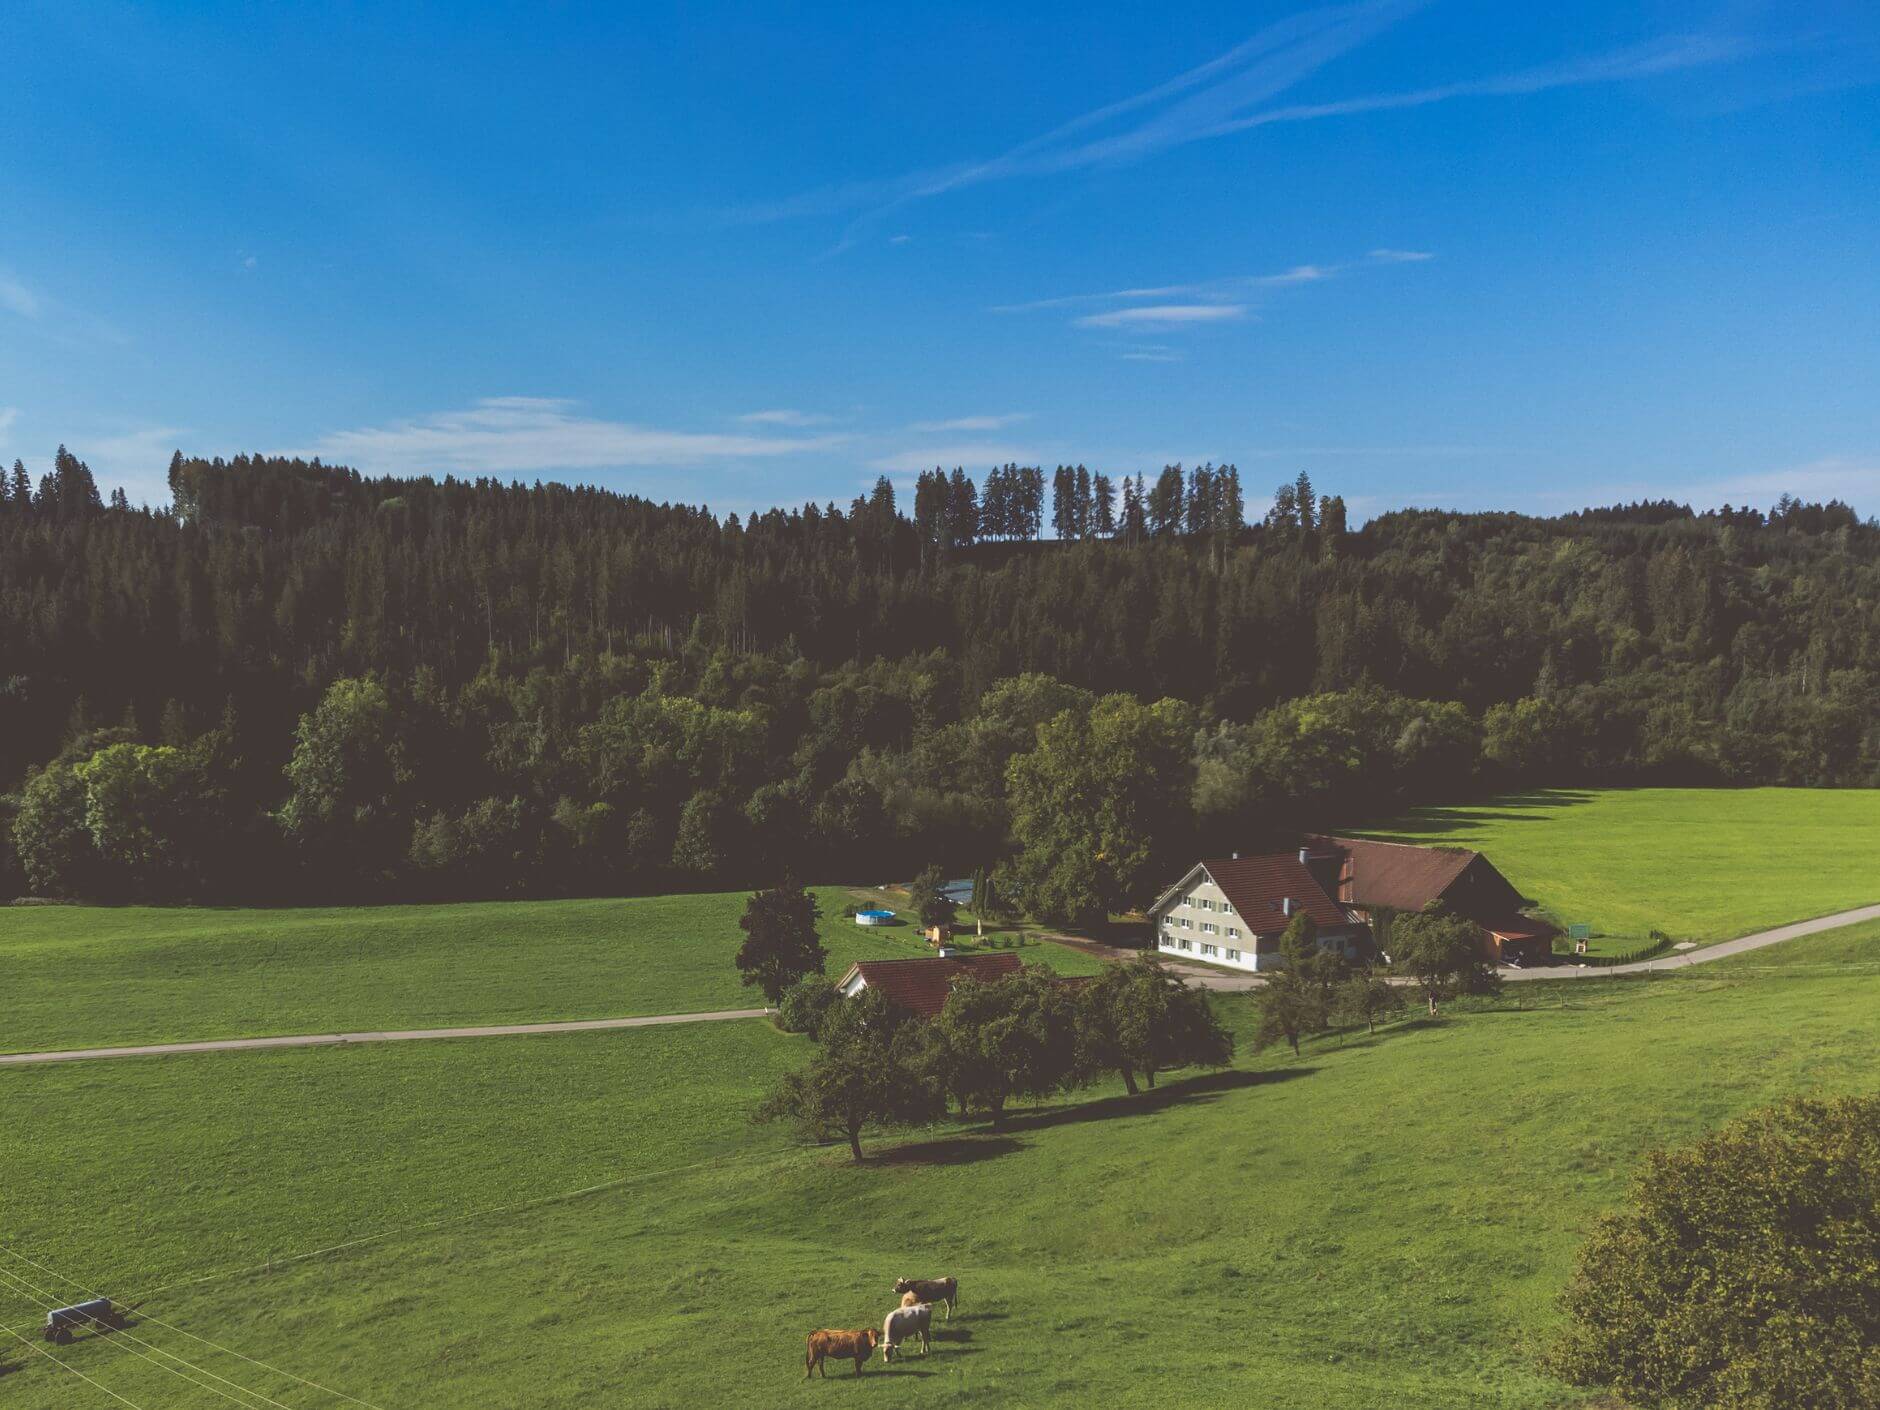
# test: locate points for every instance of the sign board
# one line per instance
(1579, 932)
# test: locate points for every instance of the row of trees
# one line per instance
(951, 513)
(1028, 1035)
(1435, 950)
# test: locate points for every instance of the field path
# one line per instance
(1204, 976)
(322, 1040)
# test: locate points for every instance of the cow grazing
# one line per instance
(906, 1324)
(945, 1290)
(839, 1344)
(908, 1299)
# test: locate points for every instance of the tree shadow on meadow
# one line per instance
(949, 1150)
(1205, 1087)
(1531, 807)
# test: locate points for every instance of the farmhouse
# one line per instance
(1233, 910)
(921, 985)
(1373, 881)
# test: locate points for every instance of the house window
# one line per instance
(1227, 908)
(1185, 944)
(1233, 954)
(1232, 933)
(1209, 928)
(1208, 950)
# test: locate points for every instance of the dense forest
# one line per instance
(296, 682)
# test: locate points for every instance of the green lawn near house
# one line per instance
(1697, 863)
(1381, 1221)
(81, 975)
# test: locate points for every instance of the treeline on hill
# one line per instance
(298, 682)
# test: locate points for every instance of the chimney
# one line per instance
(1236, 856)
(1304, 855)
(1285, 906)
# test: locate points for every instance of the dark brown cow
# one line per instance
(839, 1344)
(930, 1290)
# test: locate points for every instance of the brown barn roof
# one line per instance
(1406, 877)
(1258, 887)
(1394, 874)
(921, 985)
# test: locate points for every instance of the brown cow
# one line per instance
(839, 1344)
(909, 1299)
(930, 1290)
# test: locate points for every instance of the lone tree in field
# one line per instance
(1443, 952)
(929, 899)
(1138, 1018)
(866, 1073)
(1365, 998)
(1745, 1271)
(780, 940)
(1289, 1006)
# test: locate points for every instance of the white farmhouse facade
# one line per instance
(1232, 911)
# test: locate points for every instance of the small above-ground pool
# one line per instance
(874, 917)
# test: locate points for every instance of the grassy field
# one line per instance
(78, 976)
(1698, 864)
(1383, 1221)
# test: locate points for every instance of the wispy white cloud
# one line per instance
(1152, 355)
(1228, 293)
(518, 435)
(8, 415)
(972, 454)
(972, 423)
(784, 416)
(1659, 56)
(1235, 92)
(1163, 316)
(15, 297)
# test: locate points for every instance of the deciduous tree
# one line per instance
(1743, 1272)
(865, 1073)
(781, 942)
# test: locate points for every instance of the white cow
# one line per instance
(904, 1323)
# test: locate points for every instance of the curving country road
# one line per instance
(1203, 976)
(324, 1040)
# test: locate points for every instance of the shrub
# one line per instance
(1746, 1272)
(803, 1005)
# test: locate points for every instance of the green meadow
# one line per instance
(1697, 863)
(583, 1219)
(81, 975)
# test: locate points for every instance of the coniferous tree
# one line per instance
(1165, 503)
(1103, 500)
(1064, 513)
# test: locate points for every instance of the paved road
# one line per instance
(322, 1040)
(1708, 953)
(1223, 981)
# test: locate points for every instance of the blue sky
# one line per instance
(1481, 255)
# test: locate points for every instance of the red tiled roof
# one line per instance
(921, 985)
(1518, 928)
(1259, 886)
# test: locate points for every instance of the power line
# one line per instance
(118, 1335)
(227, 1351)
(73, 1369)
